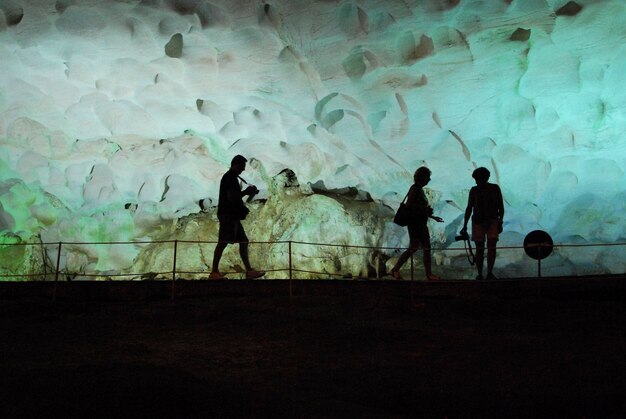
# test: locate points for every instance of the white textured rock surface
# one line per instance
(94, 115)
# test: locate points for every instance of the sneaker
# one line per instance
(491, 276)
(216, 275)
(432, 277)
(479, 277)
(254, 274)
(395, 274)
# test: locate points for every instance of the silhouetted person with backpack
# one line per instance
(486, 208)
(230, 211)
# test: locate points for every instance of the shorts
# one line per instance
(488, 228)
(231, 231)
(419, 234)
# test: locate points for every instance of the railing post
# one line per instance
(174, 270)
(290, 271)
(56, 275)
(43, 259)
(539, 271)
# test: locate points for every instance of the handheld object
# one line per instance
(255, 190)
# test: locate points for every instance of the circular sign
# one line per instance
(538, 244)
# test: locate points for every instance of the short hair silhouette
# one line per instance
(238, 160)
(422, 172)
(481, 174)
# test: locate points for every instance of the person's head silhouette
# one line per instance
(421, 176)
(238, 164)
(481, 175)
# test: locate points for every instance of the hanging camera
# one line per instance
(462, 236)
(253, 190)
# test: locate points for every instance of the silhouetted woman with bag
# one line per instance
(419, 213)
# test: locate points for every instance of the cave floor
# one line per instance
(384, 349)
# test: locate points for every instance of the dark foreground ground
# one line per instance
(335, 349)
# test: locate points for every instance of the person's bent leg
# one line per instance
(404, 257)
(395, 271)
(415, 237)
(251, 273)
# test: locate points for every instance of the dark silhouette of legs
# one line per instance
(480, 255)
(243, 251)
(426, 257)
(403, 258)
(217, 255)
(491, 255)
(427, 261)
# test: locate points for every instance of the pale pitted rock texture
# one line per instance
(118, 118)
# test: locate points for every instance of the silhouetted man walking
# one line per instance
(230, 211)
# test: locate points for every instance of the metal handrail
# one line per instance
(290, 268)
(294, 242)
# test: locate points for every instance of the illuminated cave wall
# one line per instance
(104, 104)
